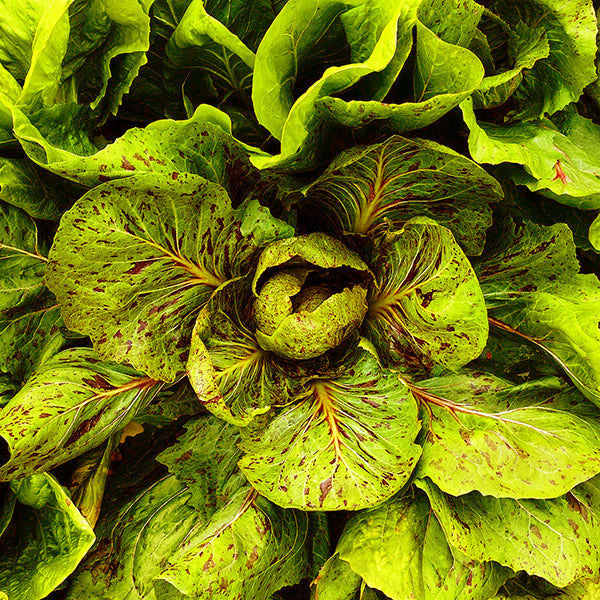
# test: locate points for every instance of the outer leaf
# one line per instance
(205, 460)
(46, 541)
(426, 296)
(535, 440)
(555, 539)
(346, 443)
(270, 551)
(554, 82)
(400, 549)
(365, 187)
(70, 405)
(534, 291)
(454, 21)
(202, 145)
(561, 162)
(29, 314)
(132, 264)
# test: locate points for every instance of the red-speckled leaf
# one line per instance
(345, 443)
(555, 539)
(134, 261)
(70, 405)
(426, 298)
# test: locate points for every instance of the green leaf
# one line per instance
(40, 194)
(232, 375)
(534, 291)
(400, 549)
(205, 460)
(270, 551)
(556, 539)
(367, 186)
(444, 75)
(47, 539)
(594, 233)
(535, 440)
(70, 405)
(346, 442)
(426, 297)
(356, 42)
(454, 21)
(29, 314)
(559, 160)
(526, 46)
(132, 264)
(554, 82)
(170, 405)
(336, 581)
(203, 46)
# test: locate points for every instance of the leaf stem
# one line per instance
(21, 251)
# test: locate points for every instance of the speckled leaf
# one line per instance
(132, 264)
(534, 291)
(201, 145)
(396, 180)
(556, 539)
(249, 549)
(45, 542)
(169, 405)
(400, 549)
(71, 404)
(454, 21)
(554, 82)
(426, 297)
(535, 440)
(29, 314)
(345, 443)
(205, 460)
(232, 375)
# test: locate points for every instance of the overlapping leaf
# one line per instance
(365, 187)
(345, 443)
(556, 539)
(400, 549)
(71, 404)
(426, 297)
(534, 291)
(535, 440)
(45, 542)
(29, 314)
(132, 264)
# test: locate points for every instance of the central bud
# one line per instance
(311, 294)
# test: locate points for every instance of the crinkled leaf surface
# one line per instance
(132, 264)
(535, 440)
(45, 542)
(358, 41)
(426, 296)
(396, 180)
(559, 161)
(533, 290)
(400, 549)
(72, 403)
(29, 314)
(556, 539)
(454, 21)
(336, 581)
(346, 442)
(554, 82)
(443, 75)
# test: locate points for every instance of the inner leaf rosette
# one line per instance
(310, 295)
